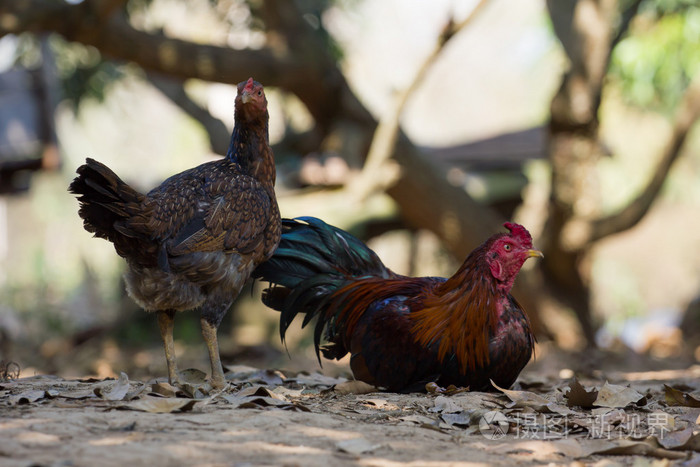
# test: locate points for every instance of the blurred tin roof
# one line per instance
(27, 133)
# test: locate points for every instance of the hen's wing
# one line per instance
(232, 220)
(207, 209)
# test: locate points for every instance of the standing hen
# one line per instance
(403, 332)
(193, 241)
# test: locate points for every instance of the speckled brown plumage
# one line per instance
(193, 241)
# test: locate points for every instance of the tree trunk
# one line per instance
(585, 30)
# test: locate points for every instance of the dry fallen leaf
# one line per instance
(260, 391)
(691, 417)
(256, 397)
(675, 397)
(375, 402)
(676, 439)
(116, 391)
(193, 383)
(444, 404)
(615, 396)
(160, 405)
(534, 401)
(693, 443)
(461, 419)
(524, 398)
(485, 400)
(164, 389)
(257, 402)
(577, 396)
(265, 402)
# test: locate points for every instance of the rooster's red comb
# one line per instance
(518, 231)
(249, 84)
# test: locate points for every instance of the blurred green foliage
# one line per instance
(83, 73)
(655, 63)
(662, 7)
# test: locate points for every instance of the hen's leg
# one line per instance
(165, 323)
(217, 371)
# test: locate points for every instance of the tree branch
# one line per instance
(116, 38)
(219, 134)
(626, 18)
(688, 113)
(377, 174)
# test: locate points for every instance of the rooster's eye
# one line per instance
(259, 93)
(506, 247)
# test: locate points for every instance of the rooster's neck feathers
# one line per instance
(461, 314)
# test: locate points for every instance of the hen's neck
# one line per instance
(250, 149)
(461, 314)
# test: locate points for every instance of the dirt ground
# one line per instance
(270, 417)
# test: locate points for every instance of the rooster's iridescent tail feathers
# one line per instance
(312, 262)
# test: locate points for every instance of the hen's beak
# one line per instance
(246, 96)
(534, 254)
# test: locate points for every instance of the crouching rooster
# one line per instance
(403, 332)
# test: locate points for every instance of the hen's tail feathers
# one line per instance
(106, 204)
(312, 262)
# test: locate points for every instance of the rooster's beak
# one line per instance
(246, 96)
(534, 254)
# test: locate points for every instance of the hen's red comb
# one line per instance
(518, 231)
(249, 84)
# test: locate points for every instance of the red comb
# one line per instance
(518, 231)
(249, 84)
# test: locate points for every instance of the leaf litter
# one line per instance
(570, 418)
(679, 398)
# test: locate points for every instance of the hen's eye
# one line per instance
(506, 247)
(259, 93)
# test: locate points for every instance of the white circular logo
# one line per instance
(493, 425)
